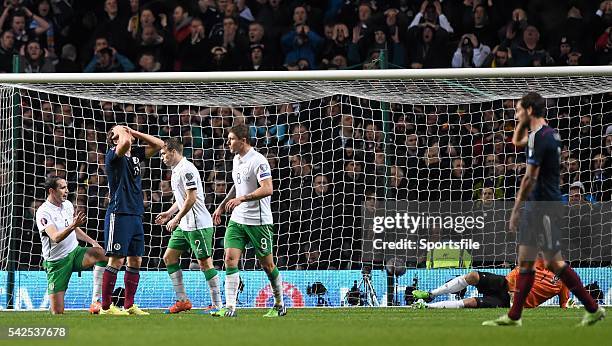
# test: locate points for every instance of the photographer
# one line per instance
(470, 52)
(107, 59)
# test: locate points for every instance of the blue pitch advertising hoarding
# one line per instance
(155, 289)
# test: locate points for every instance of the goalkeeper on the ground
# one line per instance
(496, 290)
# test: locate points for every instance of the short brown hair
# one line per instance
(52, 182)
(109, 137)
(174, 144)
(241, 131)
(536, 102)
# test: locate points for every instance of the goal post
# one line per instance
(340, 144)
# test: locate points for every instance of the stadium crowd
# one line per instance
(328, 157)
(223, 35)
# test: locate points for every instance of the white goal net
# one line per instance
(333, 145)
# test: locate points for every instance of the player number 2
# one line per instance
(197, 243)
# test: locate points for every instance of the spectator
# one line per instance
(266, 129)
(603, 48)
(480, 25)
(393, 46)
(148, 63)
(181, 27)
(160, 46)
(529, 52)
(275, 17)
(114, 25)
(301, 42)
(234, 42)
(299, 141)
(470, 52)
(511, 34)
(34, 60)
(68, 60)
(576, 30)
(7, 50)
(459, 185)
(603, 16)
(431, 13)
(501, 56)
(429, 46)
(20, 27)
(600, 180)
(146, 19)
(194, 53)
(257, 36)
(113, 61)
(337, 44)
(47, 37)
(257, 60)
(106, 60)
(209, 14)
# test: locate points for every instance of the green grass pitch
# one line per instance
(313, 327)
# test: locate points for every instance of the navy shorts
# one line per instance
(123, 235)
(540, 228)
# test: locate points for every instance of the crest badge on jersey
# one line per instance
(117, 246)
(263, 167)
(188, 176)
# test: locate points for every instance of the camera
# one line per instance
(319, 290)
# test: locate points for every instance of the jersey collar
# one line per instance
(180, 163)
(243, 158)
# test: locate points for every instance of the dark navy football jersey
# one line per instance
(125, 182)
(544, 151)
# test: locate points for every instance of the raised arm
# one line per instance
(58, 236)
(43, 25)
(154, 144)
(520, 136)
(124, 140)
